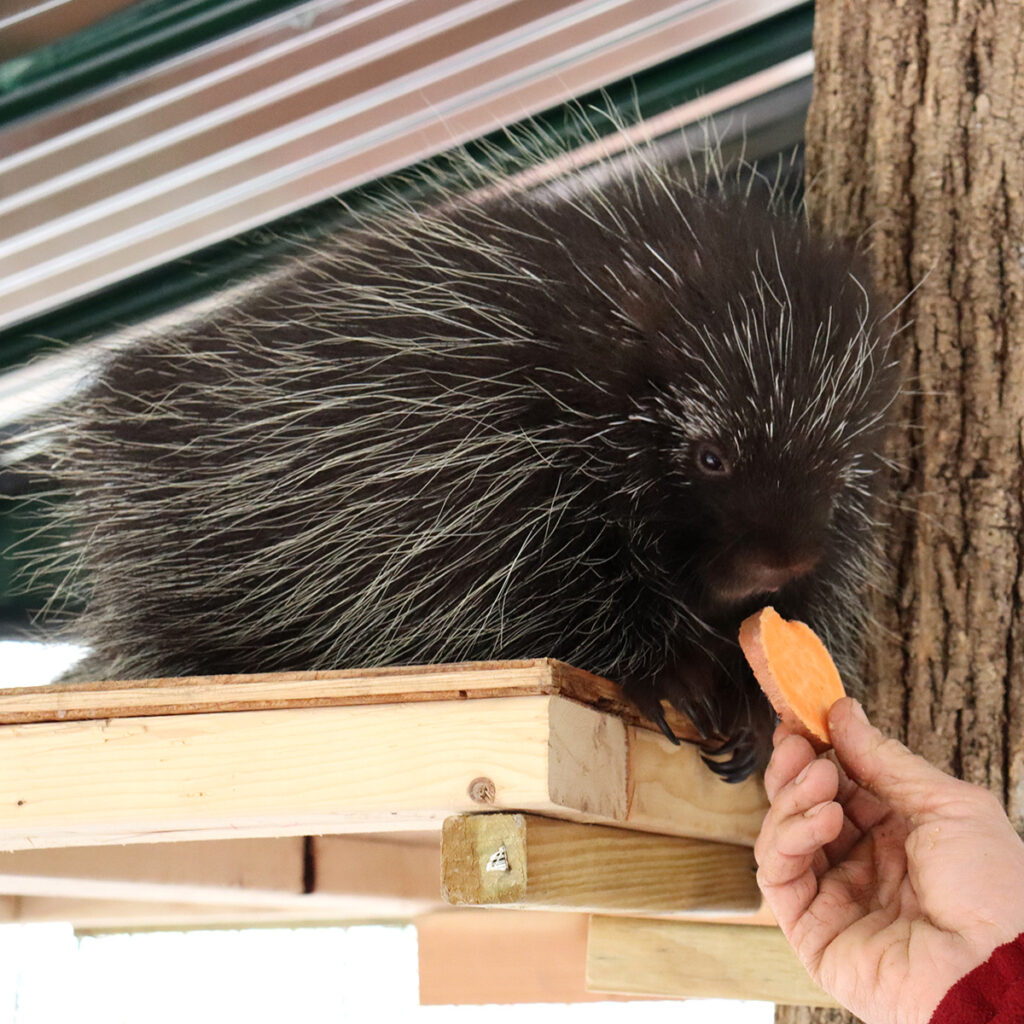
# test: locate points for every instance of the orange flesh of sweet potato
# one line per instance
(795, 671)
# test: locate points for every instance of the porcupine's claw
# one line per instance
(739, 766)
(658, 717)
(748, 747)
(742, 759)
(738, 755)
(732, 750)
(649, 705)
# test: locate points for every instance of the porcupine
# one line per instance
(600, 423)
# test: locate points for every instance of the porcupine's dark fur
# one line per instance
(601, 424)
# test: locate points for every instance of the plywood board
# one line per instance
(340, 871)
(268, 691)
(225, 882)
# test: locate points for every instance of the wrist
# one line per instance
(992, 991)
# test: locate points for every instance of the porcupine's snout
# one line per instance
(762, 572)
(769, 550)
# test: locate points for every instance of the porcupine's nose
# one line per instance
(766, 575)
(759, 572)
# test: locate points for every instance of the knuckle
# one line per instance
(966, 799)
(890, 749)
(764, 843)
(891, 763)
(766, 881)
(984, 801)
(772, 783)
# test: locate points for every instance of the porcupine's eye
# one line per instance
(711, 462)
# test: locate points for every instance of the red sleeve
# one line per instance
(991, 994)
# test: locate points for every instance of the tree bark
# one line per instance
(915, 147)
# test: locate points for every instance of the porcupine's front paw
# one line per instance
(745, 752)
(735, 725)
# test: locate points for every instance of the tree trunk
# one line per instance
(915, 146)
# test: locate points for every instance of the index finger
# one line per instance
(791, 755)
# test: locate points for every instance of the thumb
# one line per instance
(882, 765)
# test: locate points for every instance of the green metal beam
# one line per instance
(126, 42)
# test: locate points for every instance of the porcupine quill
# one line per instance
(601, 421)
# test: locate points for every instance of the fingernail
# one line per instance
(812, 812)
(803, 775)
(858, 712)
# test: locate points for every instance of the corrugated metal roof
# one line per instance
(300, 106)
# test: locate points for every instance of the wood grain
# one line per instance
(661, 779)
(688, 960)
(540, 863)
(286, 772)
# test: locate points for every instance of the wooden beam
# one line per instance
(683, 960)
(301, 771)
(286, 772)
(762, 917)
(140, 915)
(482, 957)
(242, 872)
(544, 864)
(268, 691)
(237, 881)
(350, 866)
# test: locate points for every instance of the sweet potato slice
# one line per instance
(795, 671)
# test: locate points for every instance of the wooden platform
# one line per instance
(367, 795)
(342, 752)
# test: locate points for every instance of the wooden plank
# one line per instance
(140, 915)
(349, 866)
(305, 770)
(302, 771)
(762, 917)
(482, 957)
(243, 872)
(544, 864)
(261, 692)
(269, 691)
(230, 882)
(683, 960)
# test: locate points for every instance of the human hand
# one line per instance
(890, 879)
